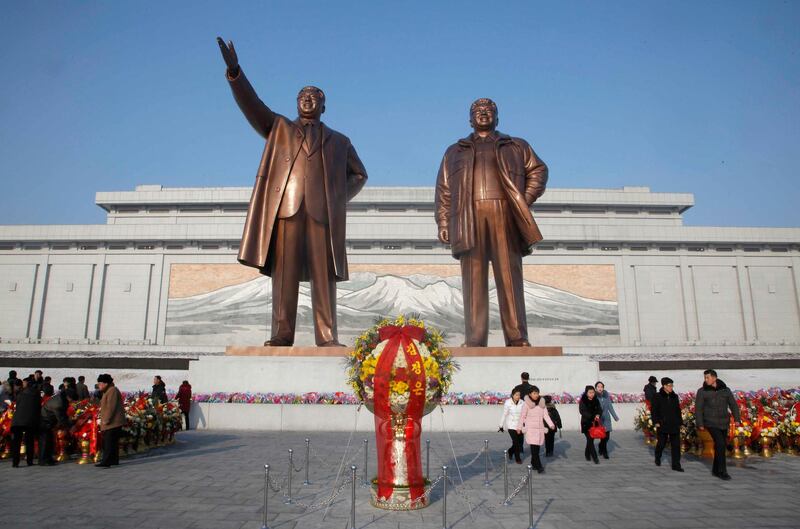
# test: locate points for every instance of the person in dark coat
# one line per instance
(667, 418)
(25, 423)
(12, 376)
(523, 387)
(712, 403)
(159, 394)
(550, 436)
(82, 389)
(53, 415)
(650, 390)
(184, 397)
(590, 411)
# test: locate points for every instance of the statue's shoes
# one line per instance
(332, 343)
(278, 342)
(520, 343)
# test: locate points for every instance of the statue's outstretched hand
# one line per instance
(229, 55)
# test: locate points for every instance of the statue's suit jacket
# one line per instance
(523, 175)
(344, 177)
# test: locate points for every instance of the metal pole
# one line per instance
(308, 449)
(444, 496)
(266, 496)
(428, 458)
(288, 499)
(530, 497)
(486, 463)
(353, 497)
(505, 478)
(365, 481)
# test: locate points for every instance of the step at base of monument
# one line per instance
(245, 350)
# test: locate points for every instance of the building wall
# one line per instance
(659, 283)
(680, 299)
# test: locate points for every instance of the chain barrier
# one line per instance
(517, 490)
(274, 485)
(461, 490)
(426, 494)
(329, 500)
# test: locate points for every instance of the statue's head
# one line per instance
(483, 115)
(310, 102)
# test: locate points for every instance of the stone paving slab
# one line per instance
(215, 480)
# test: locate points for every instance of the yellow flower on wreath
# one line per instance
(399, 387)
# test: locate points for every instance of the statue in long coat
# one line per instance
(296, 221)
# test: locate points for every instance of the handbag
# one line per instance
(597, 430)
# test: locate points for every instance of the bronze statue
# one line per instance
(486, 185)
(295, 227)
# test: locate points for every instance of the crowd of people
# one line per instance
(532, 418)
(40, 410)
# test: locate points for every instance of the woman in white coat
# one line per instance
(534, 416)
(512, 410)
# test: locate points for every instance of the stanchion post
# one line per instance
(365, 480)
(428, 458)
(266, 497)
(486, 463)
(308, 450)
(353, 497)
(506, 501)
(288, 500)
(444, 496)
(530, 497)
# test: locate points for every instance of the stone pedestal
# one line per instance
(321, 369)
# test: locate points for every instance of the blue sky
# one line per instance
(700, 97)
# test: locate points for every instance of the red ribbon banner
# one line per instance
(399, 339)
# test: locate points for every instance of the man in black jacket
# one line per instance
(650, 390)
(523, 387)
(712, 403)
(26, 420)
(668, 421)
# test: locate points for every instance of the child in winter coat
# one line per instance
(550, 436)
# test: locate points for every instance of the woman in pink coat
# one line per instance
(534, 415)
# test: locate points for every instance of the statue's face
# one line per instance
(310, 103)
(483, 116)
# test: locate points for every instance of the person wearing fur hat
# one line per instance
(534, 416)
(668, 420)
(590, 411)
(112, 419)
(712, 403)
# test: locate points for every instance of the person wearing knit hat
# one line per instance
(667, 418)
(112, 419)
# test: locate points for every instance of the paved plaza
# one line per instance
(215, 480)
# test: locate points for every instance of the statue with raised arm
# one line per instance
(295, 227)
(486, 185)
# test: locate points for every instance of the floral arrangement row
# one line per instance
(148, 425)
(340, 397)
(770, 418)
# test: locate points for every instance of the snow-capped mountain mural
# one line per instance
(240, 314)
